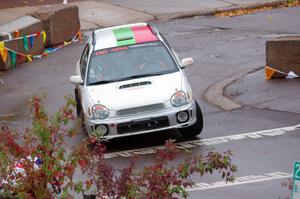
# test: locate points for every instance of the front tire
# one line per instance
(195, 129)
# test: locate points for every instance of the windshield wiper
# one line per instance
(126, 78)
(101, 82)
(142, 75)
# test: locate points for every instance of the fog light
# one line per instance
(182, 116)
(102, 129)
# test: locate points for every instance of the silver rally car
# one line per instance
(129, 81)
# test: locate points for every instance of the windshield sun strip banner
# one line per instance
(149, 44)
(111, 50)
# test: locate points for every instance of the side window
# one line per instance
(84, 61)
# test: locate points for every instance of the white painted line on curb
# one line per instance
(241, 180)
(207, 142)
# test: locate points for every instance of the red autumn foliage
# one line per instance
(158, 180)
(45, 170)
(20, 172)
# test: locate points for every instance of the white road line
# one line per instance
(241, 180)
(208, 142)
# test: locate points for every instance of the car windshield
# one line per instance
(128, 62)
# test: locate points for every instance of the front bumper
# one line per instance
(144, 123)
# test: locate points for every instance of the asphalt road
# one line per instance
(220, 47)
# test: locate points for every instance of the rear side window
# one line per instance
(84, 61)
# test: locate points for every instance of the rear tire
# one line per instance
(79, 113)
(195, 129)
(78, 107)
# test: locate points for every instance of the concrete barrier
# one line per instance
(61, 22)
(25, 26)
(282, 57)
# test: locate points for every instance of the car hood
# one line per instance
(136, 92)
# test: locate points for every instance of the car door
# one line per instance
(81, 70)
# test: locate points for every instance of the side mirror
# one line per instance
(186, 62)
(76, 79)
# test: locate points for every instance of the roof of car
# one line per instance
(124, 35)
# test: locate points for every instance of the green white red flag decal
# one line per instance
(125, 36)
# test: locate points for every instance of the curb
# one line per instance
(212, 12)
(215, 93)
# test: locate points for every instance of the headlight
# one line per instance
(100, 111)
(178, 99)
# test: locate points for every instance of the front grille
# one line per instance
(141, 109)
(134, 126)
